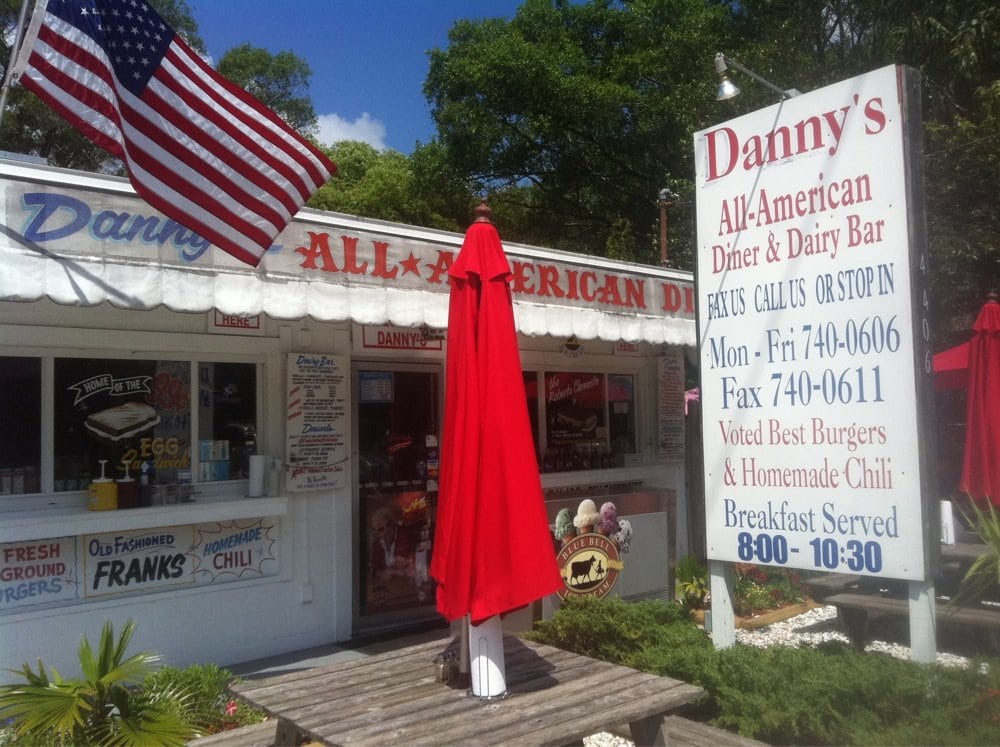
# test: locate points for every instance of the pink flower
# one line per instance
(231, 707)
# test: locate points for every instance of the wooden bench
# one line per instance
(254, 735)
(820, 587)
(556, 697)
(682, 732)
(854, 609)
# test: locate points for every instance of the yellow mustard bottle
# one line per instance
(103, 492)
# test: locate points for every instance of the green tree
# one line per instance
(388, 185)
(280, 81)
(573, 116)
(956, 47)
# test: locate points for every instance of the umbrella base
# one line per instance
(487, 672)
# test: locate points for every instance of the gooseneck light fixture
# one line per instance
(727, 89)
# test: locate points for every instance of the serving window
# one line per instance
(111, 415)
(588, 419)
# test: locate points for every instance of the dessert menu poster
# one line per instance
(670, 420)
(316, 413)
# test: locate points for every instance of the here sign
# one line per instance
(812, 338)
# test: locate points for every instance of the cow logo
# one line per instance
(589, 564)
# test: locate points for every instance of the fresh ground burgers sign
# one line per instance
(812, 334)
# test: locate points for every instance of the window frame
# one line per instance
(50, 343)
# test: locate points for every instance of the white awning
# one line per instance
(82, 239)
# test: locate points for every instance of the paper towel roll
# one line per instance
(256, 481)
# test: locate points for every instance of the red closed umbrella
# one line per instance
(493, 549)
(981, 464)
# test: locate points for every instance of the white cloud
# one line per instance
(334, 128)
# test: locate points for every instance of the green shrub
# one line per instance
(106, 705)
(828, 695)
(607, 629)
(212, 707)
(692, 582)
(982, 580)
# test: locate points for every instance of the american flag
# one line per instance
(198, 148)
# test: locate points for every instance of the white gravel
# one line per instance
(811, 628)
(820, 625)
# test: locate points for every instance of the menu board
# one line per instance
(812, 335)
(38, 572)
(670, 385)
(41, 572)
(316, 448)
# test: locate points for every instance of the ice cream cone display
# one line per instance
(565, 530)
(608, 522)
(586, 517)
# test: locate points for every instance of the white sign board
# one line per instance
(316, 422)
(807, 333)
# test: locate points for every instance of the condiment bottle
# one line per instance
(128, 489)
(145, 489)
(103, 492)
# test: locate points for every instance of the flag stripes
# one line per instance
(198, 148)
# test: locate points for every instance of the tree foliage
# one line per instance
(280, 81)
(572, 115)
(388, 185)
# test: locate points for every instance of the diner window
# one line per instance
(116, 415)
(590, 420)
(21, 438)
(227, 420)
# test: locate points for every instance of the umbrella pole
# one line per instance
(463, 652)
(488, 674)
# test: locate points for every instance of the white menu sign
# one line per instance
(316, 449)
(811, 332)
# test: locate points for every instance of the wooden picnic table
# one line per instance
(555, 697)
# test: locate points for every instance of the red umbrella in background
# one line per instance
(492, 545)
(981, 465)
(951, 368)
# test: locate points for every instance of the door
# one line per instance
(397, 414)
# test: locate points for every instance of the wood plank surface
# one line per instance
(554, 697)
(982, 616)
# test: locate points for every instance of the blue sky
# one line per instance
(368, 57)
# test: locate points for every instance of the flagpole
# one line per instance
(15, 48)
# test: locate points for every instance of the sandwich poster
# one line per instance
(116, 411)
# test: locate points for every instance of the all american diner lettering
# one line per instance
(342, 255)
